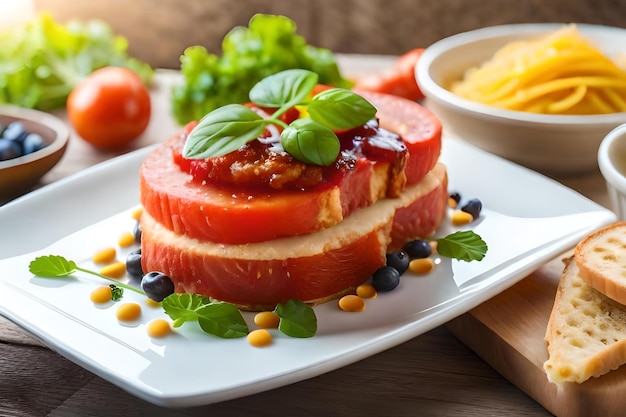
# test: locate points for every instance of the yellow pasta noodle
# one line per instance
(560, 73)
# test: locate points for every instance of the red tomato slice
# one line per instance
(418, 126)
(216, 214)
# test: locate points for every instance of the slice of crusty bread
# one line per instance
(601, 258)
(586, 333)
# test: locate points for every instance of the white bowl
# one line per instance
(612, 163)
(553, 144)
(19, 175)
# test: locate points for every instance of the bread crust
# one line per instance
(601, 259)
(586, 332)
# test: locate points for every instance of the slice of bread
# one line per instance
(601, 258)
(586, 333)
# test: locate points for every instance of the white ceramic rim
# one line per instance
(612, 175)
(57, 125)
(434, 91)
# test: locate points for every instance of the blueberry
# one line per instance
(157, 285)
(417, 249)
(15, 131)
(9, 149)
(32, 143)
(399, 260)
(137, 232)
(455, 196)
(133, 264)
(385, 278)
(473, 207)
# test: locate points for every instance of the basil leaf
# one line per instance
(222, 131)
(310, 142)
(52, 266)
(216, 318)
(183, 307)
(339, 108)
(463, 245)
(296, 319)
(284, 89)
(56, 266)
(223, 320)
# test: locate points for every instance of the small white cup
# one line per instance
(612, 163)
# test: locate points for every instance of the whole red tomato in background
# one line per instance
(110, 107)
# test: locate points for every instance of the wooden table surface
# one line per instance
(430, 375)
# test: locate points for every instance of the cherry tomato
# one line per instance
(110, 107)
(398, 80)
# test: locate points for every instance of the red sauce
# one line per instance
(263, 164)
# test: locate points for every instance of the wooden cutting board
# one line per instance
(507, 332)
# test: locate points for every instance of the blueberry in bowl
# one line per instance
(31, 143)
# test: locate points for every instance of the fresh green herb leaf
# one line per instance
(222, 131)
(310, 142)
(116, 292)
(222, 320)
(268, 45)
(41, 61)
(214, 317)
(338, 108)
(56, 266)
(463, 245)
(297, 319)
(52, 266)
(284, 89)
(183, 307)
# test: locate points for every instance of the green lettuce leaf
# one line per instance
(42, 61)
(268, 45)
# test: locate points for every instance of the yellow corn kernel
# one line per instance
(159, 328)
(101, 295)
(152, 303)
(366, 291)
(126, 240)
(460, 217)
(259, 338)
(136, 214)
(114, 270)
(351, 303)
(267, 320)
(104, 256)
(128, 312)
(421, 266)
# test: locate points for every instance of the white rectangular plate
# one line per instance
(527, 220)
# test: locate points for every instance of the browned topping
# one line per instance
(263, 163)
(257, 163)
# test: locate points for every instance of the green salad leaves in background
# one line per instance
(268, 45)
(42, 61)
